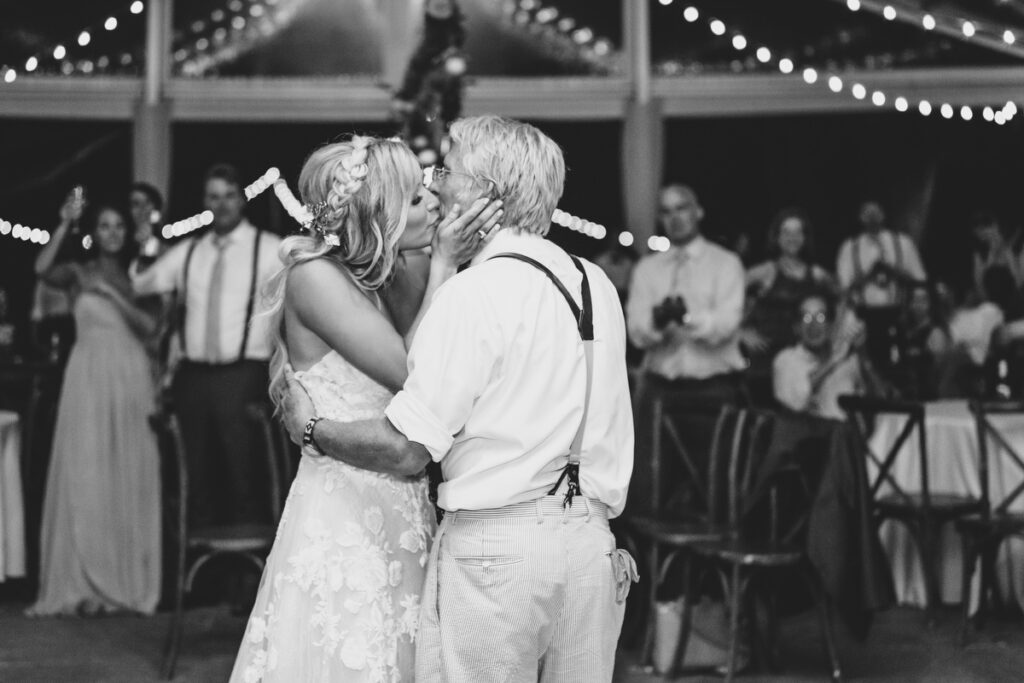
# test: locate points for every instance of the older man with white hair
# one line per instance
(517, 386)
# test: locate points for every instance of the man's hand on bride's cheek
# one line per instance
(460, 235)
(297, 410)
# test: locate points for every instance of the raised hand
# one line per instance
(460, 235)
(71, 209)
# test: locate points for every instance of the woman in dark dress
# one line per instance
(775, 289)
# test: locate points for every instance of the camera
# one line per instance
(671, 309)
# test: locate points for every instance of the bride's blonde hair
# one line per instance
(362, 189)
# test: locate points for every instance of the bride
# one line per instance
(339, 598)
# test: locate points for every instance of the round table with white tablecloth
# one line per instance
(12, 509)
(952, 444)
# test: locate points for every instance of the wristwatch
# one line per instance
(308, 437)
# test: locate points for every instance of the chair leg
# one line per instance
(679, 655)
(826, 619)
(970, 559)
(173, 643)
(647, 651)
(736, 599)
(989, 551)
(923, 531)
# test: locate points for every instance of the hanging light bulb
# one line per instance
(31, 64)
(739, 42)
(137, 7)
(966, 113)
(946, 110)
(764, 55)
(878, 98)
(1008, 37)
(59, 52)
(717, 27)
(854, 5)
(110, 24)
(967, 28)
(928, 21)
(925, 107)
(691, 14)
(859, 91)
(786, 65)
(889, 12)
(988, 114)
(810, 75)
(84, 38)
(835, 83)
(901, 104)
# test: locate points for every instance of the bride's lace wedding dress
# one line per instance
(340, 595)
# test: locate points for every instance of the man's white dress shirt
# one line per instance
(859, 254)
(497, 377)
(711, 282)
(167, 275)
(791, 377)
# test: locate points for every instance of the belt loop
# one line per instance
(540, 511)
(586, 502)
(454, 516)
(565, 513)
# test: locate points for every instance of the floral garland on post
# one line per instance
(431, 94)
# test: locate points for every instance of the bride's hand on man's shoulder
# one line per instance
(461, 234)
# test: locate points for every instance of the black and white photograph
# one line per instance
(511, 341)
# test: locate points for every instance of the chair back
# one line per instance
(672, 417)
(277, 453)
(746, 442)
(983, 411)
(862, 412)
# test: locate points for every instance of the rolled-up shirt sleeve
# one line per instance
(451, 360)
(162, 277)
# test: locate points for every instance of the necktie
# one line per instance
(213, 315)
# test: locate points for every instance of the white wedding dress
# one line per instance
(340, 596)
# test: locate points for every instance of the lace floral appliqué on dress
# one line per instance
(340, 596)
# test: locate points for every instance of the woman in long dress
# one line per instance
(100, 545)
(339, 598)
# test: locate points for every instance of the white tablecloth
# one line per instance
(953, 468)
(12, 509)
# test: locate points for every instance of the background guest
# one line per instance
(994, 247)
(684, 310)
(873, 265)
(7, 330)
(775, 289)
(147, 205)
(926, 332)
(810, 376)
(218, 276)
(100, 545)
(618, 263)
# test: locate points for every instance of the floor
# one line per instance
(120, 649)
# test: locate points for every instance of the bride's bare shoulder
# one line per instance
(318, 277)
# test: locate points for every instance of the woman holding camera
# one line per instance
(100, 545)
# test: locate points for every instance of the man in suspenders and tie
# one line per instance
(218, 277)
(517, 386)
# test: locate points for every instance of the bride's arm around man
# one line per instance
(517, 385)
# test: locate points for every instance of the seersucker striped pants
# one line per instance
(530, 592)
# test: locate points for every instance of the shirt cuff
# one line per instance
(415, 420)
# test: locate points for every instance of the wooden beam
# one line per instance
(294, 100)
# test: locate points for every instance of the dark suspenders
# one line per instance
(585, 326)
(254, 279)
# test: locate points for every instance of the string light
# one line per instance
(691, 14)
(84, 38)
(658, 243)
(739, 42)
(110, 24)
(291, 204)
(994, 37)
(764, 55)
(580, 225)
(24, 232)
(626, 238)
(137, 7)
(879, 98)
(260, 185)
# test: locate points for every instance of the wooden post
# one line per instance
(642, 134)
(400, 20)
(151, 141)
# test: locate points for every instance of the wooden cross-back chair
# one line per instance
(983, 532)
(919, 509)
(668, 540)
(195, 548)
(749, 549)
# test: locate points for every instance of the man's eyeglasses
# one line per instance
(440, 174)
(809, 318)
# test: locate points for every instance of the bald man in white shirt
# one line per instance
(517, 386)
